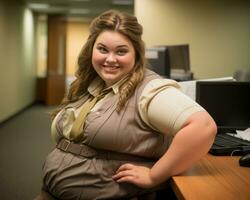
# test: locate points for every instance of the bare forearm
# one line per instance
(188, 146)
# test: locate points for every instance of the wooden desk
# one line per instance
(214, 177)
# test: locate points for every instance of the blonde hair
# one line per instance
(122, 23)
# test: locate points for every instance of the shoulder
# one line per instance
(155, 83)
(150, 76)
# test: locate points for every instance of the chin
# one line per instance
(110, 81)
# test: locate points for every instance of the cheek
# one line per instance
(97, 57)
(129, 61)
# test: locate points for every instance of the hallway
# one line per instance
(25, 142)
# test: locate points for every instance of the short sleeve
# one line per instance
(55, 133)
(164, 107)
(62, 124)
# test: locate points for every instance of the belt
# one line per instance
(90, 152)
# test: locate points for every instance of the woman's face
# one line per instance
(113, 56)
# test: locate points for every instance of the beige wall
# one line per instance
(17, 71)
(42, 46)
(218, 32)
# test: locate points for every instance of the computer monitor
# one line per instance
(158, 60)
(179, 57)
(170, 61)
(228, 102)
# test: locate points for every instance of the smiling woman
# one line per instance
(122, 130)
(113, 56)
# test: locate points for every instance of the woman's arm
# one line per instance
(190, 143)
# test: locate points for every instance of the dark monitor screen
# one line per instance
(179, 56)
(228, 102)
(163, 59)
(158, 60)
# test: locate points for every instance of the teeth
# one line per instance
(113, 67)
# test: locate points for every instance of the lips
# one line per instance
(110, 67)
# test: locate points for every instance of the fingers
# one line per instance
(126, 166)
(126, 178)
(124, 172)
(134, 174)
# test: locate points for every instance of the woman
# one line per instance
(133, 138)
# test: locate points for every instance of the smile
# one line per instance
(111, 67)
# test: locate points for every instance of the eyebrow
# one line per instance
(119, 46)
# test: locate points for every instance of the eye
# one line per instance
(122, 52)
(102, 49)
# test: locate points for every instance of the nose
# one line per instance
(111, 58)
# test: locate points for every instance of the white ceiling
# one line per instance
(83, 8)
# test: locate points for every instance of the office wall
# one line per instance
(77, 33)
(17, 69)
(41, 46)
(218, 32)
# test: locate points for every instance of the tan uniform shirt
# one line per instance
(162, 106)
